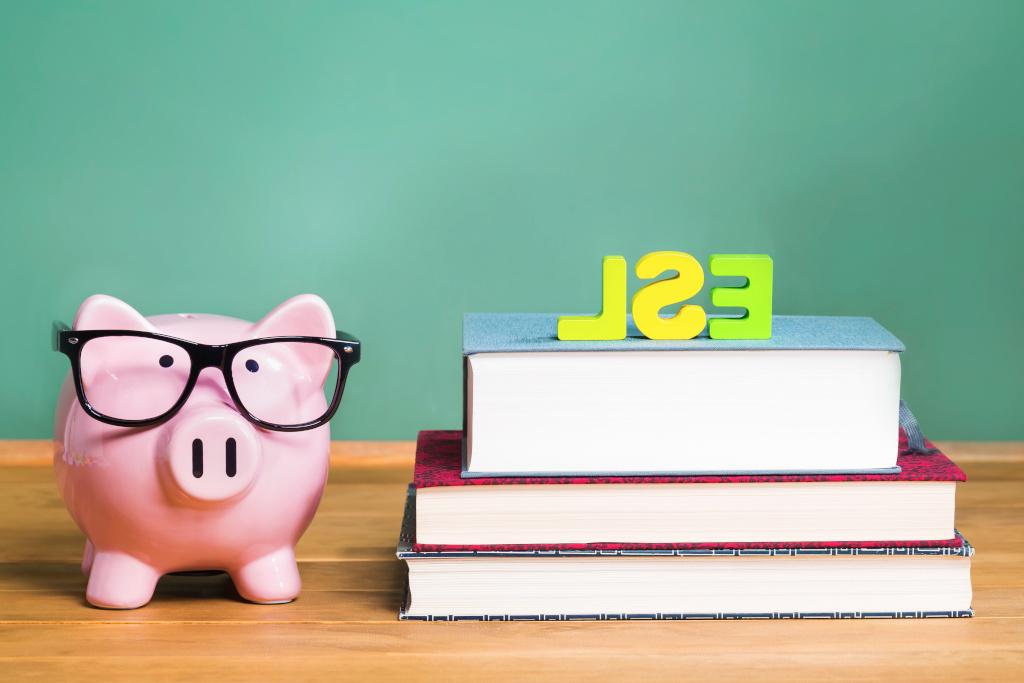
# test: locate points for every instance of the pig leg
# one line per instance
(87, 557)
(120, 581)
(269, 580)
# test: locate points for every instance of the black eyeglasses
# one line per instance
(137, 379)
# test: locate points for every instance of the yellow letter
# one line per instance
(610, 323)
(690, 320)
(755, 296)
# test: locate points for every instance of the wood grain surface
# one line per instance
(344, 626)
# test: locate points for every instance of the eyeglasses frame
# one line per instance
(346, 348)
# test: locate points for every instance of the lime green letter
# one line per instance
(610, 323)
(755, 296)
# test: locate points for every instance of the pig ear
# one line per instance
(304, 315)
(102, 312)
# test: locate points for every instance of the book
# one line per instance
(890, 581)
(914, 506)
(821, 395)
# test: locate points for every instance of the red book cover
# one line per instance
(439, 463)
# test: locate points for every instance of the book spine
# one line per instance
(714, 616)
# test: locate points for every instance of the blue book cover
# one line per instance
(528, 332)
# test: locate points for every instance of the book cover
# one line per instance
(530, 332)
(439, 463)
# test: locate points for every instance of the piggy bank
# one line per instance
(196, 442)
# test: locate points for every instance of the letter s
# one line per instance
(688, 322)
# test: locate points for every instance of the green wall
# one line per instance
(412, 161)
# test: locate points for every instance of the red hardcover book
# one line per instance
(911, 508)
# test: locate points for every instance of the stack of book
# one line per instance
(698, 479)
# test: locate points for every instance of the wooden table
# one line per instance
(344, 625)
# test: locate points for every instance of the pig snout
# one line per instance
(212, 455)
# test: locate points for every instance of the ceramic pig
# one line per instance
(206, 488)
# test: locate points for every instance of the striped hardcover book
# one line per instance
(751, 582)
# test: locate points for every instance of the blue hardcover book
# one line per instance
(820, 396)
(710, 583)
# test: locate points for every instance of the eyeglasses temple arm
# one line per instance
(352, 341)
(58, 328)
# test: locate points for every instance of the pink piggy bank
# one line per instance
(196, 442)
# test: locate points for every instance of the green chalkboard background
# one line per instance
(411, 161)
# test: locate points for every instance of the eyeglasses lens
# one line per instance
(286, 383)
(133, 378)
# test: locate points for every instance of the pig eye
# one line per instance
(166, 361)
(251, 365)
